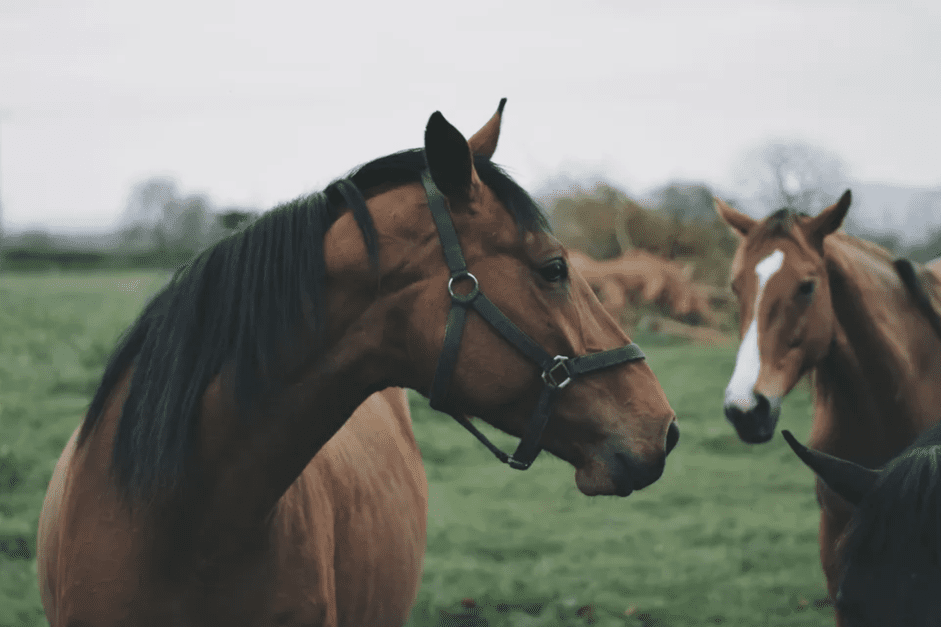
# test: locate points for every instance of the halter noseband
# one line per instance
(557, 372)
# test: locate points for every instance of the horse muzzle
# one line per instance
(620, 474)
(755, 421)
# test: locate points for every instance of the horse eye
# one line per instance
(555, 271)
(806, 288)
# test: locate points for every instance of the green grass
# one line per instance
(726, 537)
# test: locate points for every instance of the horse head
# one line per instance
(891, 552)
(787, 320)
(613, 424)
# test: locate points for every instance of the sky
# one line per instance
(256, 103)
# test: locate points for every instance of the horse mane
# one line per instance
(235, 303)
(892, 551)
(778, 224)
(916, 281)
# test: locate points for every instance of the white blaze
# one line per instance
(740, 392)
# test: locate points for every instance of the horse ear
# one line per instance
(846, 478)
(740, 223)
(484, 141)
(830, 219)
(449, 158)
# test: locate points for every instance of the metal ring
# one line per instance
(559, 361)
(463, 298)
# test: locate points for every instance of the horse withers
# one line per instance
(891, 553)
(816, 301)
(223, 474)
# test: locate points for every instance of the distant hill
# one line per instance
(911, 213)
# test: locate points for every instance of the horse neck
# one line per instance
(251, 467)
(870, 401)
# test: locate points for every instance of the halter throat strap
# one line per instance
(557, 371)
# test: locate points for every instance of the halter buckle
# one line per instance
(559, 362)
(463, 298)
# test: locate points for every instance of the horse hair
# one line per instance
(778, 224)
(892, 551)
(915, 285)
(235, 303)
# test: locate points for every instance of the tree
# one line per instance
(158, 218)
(588, 221)
(234, 218)
(686, 201)
(147, 200)
(791, 174)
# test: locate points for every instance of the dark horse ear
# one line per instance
(449, 158)
(846, 478)
(828, 220)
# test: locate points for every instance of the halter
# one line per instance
(557, 372)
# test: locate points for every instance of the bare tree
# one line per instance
(157, 217)
(147, 200)
(791, 174)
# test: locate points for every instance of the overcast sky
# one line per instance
(255, 103)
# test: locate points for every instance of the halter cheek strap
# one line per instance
(557, 372)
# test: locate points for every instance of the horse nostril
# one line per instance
(673, 436)
(733, 413)
(763, 407)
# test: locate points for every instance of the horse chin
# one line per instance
(593, 483)
(617, 475)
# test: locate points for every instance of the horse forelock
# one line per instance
(777, 225)
(235, 303)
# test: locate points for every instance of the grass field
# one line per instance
(726, 537)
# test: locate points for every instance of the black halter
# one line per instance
(557, 372)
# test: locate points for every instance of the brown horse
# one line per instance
(216, 478)
(813, 300)
(934, 267)
(654, 278)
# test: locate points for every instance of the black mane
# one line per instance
(892, 552)
(234, 304)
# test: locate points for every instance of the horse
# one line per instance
(934, 266)
(891, 552)
(816, 301)
(654, 278)
(223, 474)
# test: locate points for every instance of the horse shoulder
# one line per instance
(360, 509)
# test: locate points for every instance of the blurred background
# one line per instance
(135, 135)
